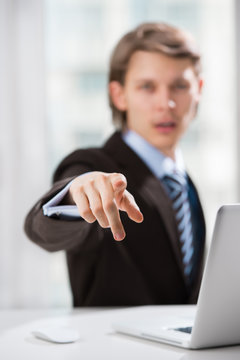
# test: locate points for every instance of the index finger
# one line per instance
(111, 210)
(124, 199)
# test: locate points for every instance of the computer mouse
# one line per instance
(57, 334)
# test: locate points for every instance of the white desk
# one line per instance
(98, 341)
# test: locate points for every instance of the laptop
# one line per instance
(215, 320)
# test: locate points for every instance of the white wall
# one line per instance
(237, 53)
(25, 270)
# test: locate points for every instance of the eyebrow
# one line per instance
(179, 78)
(144, 80)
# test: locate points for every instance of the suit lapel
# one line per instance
(149, 187)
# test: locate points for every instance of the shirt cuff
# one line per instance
(51, 208)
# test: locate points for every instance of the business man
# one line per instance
(135, 187)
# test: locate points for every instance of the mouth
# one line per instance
(165, 126)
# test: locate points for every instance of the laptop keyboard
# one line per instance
(185, 329)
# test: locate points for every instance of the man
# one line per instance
(135, 187)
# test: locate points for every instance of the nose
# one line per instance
(164, 100)
(171, 104)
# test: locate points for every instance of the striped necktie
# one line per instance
(176, 187)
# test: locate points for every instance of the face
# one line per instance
(160, 97)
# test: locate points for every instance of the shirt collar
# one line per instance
(158, 163)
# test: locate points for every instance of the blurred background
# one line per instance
(54, 58)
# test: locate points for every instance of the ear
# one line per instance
(117, 94)
(200, 86)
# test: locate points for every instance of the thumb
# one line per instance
(119, 184)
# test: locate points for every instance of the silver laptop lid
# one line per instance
(217, 319)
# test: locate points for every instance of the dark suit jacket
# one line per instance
(145, 268)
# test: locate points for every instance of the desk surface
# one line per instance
(98, 340)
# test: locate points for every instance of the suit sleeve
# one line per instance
(53, 233)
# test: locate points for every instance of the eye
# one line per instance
(147, 86)
(181, 86)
